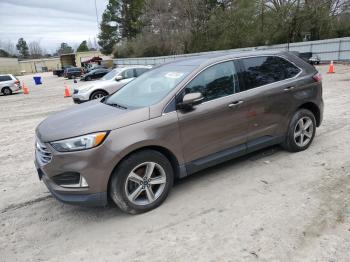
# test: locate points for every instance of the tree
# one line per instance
(35, 50)
(3, 53)
(164, 27)
(110, 27)
(64, 49)
(83, 47)
(22, 48)
(8, 47)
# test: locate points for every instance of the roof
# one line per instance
(212, 57)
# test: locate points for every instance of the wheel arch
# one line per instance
(314, 109)
(5, 87)
(166, 152)
(99, 89)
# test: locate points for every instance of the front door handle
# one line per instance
(289, 88)
(236, 103)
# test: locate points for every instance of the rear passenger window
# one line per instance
(217, 81)
(265, 70)
(5, 78)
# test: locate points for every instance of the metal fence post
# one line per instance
(339, 49)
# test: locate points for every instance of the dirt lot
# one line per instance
(268, 206)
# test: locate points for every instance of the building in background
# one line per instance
(39, 65)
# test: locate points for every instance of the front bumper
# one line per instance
(79, 98)
(85, 164)
(91, 200)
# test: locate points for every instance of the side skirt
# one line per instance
(228, 154)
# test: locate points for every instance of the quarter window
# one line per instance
(217, 81)
(265, 70)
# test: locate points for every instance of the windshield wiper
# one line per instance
(116, 105)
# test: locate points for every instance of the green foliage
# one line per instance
(110, 27)
(83, 47)
(164, 27)
(3, 53)
(64, 49)
(22, 48)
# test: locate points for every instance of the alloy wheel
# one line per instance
(145, 183)
(303, 131)
(98, 95)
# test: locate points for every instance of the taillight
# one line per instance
(17, 82)
(317, 78)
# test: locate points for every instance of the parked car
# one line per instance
(95, 74)
(109, 84)
(72, 72)
(9, 84)
(60, 72)
(315, 60)
(93, 67)
(175, 120)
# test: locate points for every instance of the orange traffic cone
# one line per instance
(331, 68)
(25, 89)
(66, 91)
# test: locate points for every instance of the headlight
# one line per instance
(79, 143)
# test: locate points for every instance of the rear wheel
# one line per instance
(98, 94)
(301, 132)
(141, 182)
(7, 91)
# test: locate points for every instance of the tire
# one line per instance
(88, 78)
(124, 186)
(301, 131)
(6, 91)
(98, 94)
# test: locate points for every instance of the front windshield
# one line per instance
(112, 74)
(151, 86)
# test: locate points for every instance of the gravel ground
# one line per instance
(269, 206)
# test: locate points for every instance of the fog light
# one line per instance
(83, 182)
(70, 179)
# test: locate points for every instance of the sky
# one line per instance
(50, 22)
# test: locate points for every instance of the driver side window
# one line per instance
(214, 82)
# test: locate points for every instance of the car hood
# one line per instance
(87, 118)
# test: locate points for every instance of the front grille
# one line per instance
(43, 155)
(75, 91)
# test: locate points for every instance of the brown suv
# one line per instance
(174, 120)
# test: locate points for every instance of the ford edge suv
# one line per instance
(175, 120)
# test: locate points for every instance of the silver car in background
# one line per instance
(9, 84)
(109, 84)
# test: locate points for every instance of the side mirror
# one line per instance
(190, 100)
(118, 78)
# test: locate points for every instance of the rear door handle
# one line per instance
(236, 103)
(289, 88)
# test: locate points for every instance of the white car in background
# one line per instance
(109, 84)
(9, 84)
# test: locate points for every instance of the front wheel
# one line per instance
(301, 131)
(141, 182)
(98, 94)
